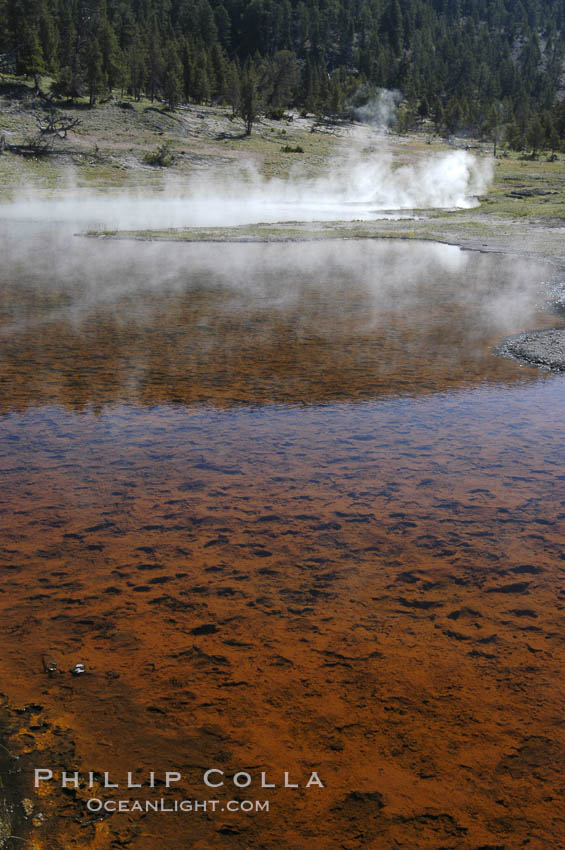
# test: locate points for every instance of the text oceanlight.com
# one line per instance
(171, 781)
(95, 805)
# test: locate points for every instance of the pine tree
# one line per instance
(495, 127)
(283, 76)
(233, 90)
(30, 59)
(172, 78)
(113, 66)
(223, 26)
(515, 136)
(188, 71)
(49, 38)
(535, 135)
(336, 96)
(154, 80)
(202, 90)
(96, 80)
(137, 65)
(219, 70)
(395, 27)
(469, 54)
(249, 108)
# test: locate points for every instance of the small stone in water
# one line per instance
(51, 668)
(27, 805)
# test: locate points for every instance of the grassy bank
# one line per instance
(118, 145)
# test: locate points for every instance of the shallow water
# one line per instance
(91, 323)
(292, 513)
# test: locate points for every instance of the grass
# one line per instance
(112, 147)
(514, 175)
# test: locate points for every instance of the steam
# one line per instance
(362, 185)
(84, 276)
(379, 111)
(117, 321)
(445, 181)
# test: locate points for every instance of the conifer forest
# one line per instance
(490, 67)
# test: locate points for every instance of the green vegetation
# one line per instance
(162, 157)
(492, 68)
(523, 210)
(124, 143)
(218, 88)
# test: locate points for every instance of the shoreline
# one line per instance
(521, 210)
(544, 349)
(545, 241)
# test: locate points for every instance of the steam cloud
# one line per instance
(361, 186)
(116, 321)
(85, 276)
(379, 111)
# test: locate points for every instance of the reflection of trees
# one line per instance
(193, 348)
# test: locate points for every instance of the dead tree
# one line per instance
(35, 146)
(56, 125)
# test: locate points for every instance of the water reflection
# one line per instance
(254, 578)
(91, 322)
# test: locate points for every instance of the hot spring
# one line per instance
(290, 511)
